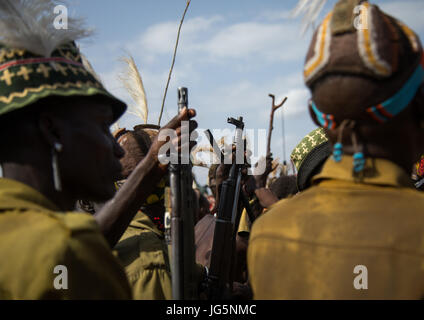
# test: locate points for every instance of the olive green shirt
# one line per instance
(308, 247)
(35, 238)
(144, 253)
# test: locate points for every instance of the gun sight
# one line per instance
(182, 98)
(237, 122)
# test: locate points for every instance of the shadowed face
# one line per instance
(89, 163)
(136, 144)
(133, 153)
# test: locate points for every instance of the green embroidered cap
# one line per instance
(309, 155)
(306, 145)
(26, 78)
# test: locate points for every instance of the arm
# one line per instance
(115, 216)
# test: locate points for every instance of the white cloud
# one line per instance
(296, 103)
(160, 38)
(250, 99)
(213, 39)
(272, 42)
(245, 39)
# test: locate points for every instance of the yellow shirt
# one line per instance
(144, 253)
(35, 238)
(307, 247)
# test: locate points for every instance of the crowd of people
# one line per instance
(92, 202)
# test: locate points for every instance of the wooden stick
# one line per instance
(271, 121)
(173, 61)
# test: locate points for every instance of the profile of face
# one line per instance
(89, 162)
(133, 155)
(136, 144)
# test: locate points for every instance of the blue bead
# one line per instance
(358, 162)
(337, 152)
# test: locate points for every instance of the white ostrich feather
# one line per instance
(275, 166)
(133, 82)
(194, 157)
(310, 10)
(203, 149)
(29, 25)
(207, 149)
(221, 142)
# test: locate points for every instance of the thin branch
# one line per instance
(173, 61)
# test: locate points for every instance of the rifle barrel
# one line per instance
(222, 256)
(182, 223)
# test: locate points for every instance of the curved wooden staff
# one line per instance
(271, 121)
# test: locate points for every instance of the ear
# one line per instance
(51, 128)
(313, 115)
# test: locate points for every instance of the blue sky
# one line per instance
(232, 54)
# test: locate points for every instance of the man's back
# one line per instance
(308, 247)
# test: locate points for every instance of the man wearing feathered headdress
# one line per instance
(357, 232)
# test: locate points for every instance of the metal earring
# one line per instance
(56, 176)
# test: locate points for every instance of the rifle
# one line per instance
(182, 223)
(229, 210)
(220, 155)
